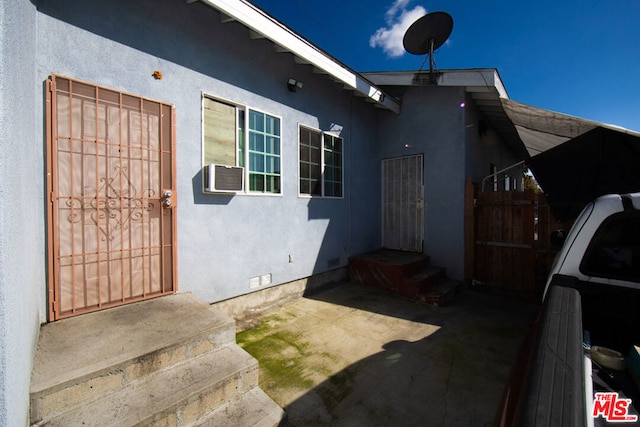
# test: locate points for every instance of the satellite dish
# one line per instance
(427, 34)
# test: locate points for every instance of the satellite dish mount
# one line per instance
(426, 35)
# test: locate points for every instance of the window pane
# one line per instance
(272, 145)
(219, 132)
(332, 166)
(328, 174)
(241, 137)
(337, 190)
(304, 186)
(316, 188)
(314, 155)
(328, 157)
(256, 182)
(272, 125)
(337, 144)
(256, 162)
(304, 170)
(304, 153)
(264, 152)
(316, 140)
(273, 184)
(256, 142)
(272, 165)
(256, 121)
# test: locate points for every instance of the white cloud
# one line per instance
(398, 18)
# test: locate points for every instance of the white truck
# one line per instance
(580, 364)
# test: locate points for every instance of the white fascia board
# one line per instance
(478, 79)
(259, 22)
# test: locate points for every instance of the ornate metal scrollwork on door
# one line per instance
(112, 206)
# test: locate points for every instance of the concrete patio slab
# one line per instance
(356, 356)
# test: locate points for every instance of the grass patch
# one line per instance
(281, 355)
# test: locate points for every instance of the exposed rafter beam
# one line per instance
(225, 18)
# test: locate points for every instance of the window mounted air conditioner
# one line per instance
(223, 179)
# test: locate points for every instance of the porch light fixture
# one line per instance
(293, 85)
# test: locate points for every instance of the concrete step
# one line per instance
(441, 292)
(175, 396)
(427, 276)
(253, 408)
(165, 361)
(80, 358)
(386, 267)
(404, 273)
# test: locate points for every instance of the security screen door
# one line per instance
(403, 203)
(111, 187)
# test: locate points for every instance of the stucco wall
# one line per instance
(22, 267)
(223, 241)
(432, 123)
(485, 147)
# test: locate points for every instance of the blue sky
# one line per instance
(578, 57)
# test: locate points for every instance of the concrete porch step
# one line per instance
(184, 392)
(404, 273)
(395, 264)
(441, 292)
(253, 408)
(165, 361)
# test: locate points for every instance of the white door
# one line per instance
(403, 203)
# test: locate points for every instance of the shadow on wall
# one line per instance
(200, 198)
(335, 248)
(188, 34)
(353, 220)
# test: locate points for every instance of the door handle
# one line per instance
(167, 198)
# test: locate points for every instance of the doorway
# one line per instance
(403, 203)
(112, 201)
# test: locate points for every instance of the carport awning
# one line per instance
(575, 160)
(599, 162)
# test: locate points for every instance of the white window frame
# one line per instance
(244, 159)
(322, 164)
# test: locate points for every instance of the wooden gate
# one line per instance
(513, 252)
(111, 186)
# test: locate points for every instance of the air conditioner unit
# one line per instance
(223, 179)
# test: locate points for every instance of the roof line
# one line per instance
(260, 22)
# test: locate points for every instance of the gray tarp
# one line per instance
(575, 160)
(599, 162)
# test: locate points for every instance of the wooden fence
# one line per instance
(508, 241)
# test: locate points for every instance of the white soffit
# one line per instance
(259, 22)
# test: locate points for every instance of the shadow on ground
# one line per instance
(355, 356)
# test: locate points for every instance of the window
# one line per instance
(321, 170)
(332, 166)
(264, 153)
(231, 139)
(614, 251)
